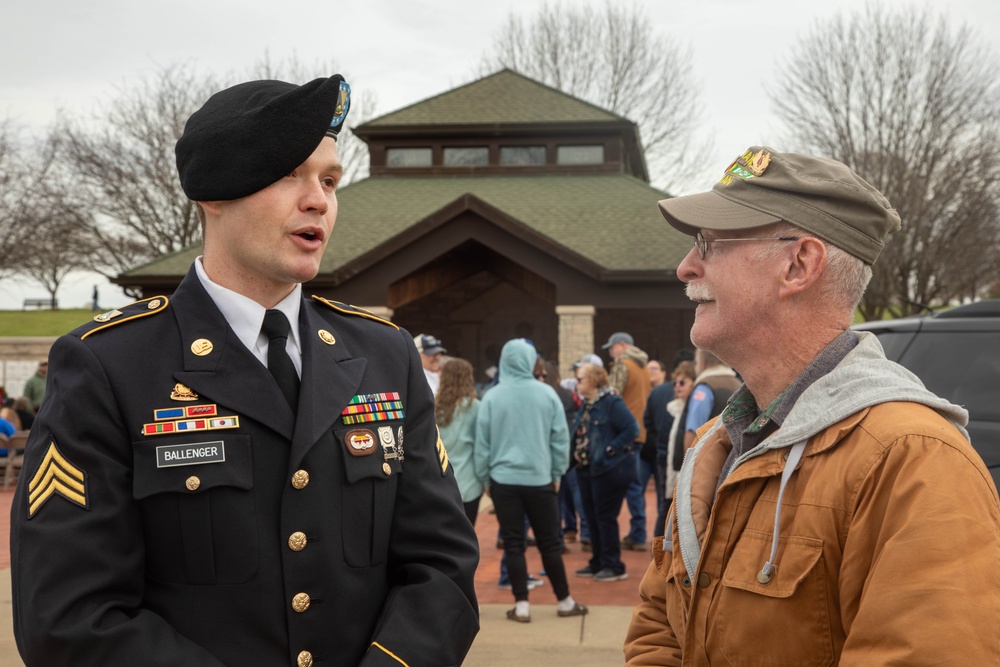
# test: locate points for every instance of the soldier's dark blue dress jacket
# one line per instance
(289, 540)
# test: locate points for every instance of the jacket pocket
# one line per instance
(368, 495)
(677, 598)
(198, 511)
(786, 619)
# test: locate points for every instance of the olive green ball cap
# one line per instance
(820, 195)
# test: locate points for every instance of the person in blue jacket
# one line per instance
(603, 446)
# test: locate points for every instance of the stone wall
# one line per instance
(19, 359)
(576, 335)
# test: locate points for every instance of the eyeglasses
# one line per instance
(702, 243)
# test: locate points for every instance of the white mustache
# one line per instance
(697, 292)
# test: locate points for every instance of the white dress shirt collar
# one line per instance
(245, 317)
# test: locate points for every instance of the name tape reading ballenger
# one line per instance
(190, 454)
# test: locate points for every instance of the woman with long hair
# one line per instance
(455, 408)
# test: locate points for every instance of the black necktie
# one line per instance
(276, 329)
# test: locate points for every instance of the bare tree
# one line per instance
(123, 170)
(26, 171)
(911, 105)
(57, 253)
(613, 59)
(11, 186)
(45, 240)
(19, 181)
(122, 166)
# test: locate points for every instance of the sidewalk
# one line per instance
(585, 641)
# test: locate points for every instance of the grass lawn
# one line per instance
(42, 322)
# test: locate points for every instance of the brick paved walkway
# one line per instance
(587, 591)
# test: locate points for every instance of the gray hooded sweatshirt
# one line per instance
(863, 379)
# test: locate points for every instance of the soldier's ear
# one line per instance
(211, 207)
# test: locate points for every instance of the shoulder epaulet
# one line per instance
(132, 311)
(348, 309)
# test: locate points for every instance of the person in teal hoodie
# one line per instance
(522, 452)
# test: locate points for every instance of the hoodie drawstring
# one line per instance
(767, 572)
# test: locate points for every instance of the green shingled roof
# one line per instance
(488, 100)
(174, 264)
(611, 220)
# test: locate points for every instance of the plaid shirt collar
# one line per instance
(747, 426)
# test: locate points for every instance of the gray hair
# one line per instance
(845, 277)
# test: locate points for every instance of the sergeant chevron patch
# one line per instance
(56, 476)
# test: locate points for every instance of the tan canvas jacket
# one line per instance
(888, 550)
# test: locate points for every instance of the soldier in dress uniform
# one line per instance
(237, 475)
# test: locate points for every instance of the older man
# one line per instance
(630, 379)
(835, 513)
(431, 351)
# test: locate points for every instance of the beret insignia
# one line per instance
(340, 111)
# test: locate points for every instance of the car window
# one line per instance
(894, 343)
(962, 367)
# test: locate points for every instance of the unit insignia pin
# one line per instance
(182, 392)
(202, 346)
(360, 442)
(327, 337)
(758, 162)
(388, 441)
(110, 315)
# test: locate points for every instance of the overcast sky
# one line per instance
(75, 56)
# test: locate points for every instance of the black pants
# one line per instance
(472, 509)
(541, 505)
(602, 502)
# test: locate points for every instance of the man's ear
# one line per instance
(805, 266)
(211, 207)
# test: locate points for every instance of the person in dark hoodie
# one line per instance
(522, 453)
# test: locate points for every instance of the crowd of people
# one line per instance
(806, 506)
(560, 459)
(18, 414)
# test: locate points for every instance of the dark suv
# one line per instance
(956, 353)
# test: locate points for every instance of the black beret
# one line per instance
(249, 136)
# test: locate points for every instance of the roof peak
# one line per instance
(505, 96)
